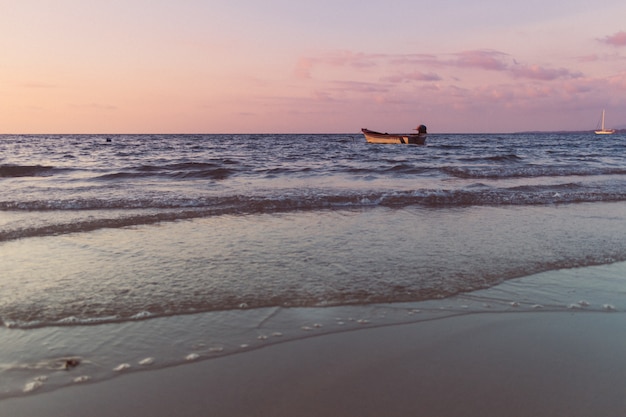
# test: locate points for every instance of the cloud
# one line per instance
(358, 87)
(414, 59)
(401, 68)
(588, 58)
(617, 39)
(535, 72)
(490, 60)
(342, 58)
(412, 76)
(352, 59)
(484, 59)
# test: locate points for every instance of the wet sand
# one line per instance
(486, 364)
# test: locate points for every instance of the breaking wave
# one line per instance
(137, 211)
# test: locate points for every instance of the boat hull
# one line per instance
(387, 138)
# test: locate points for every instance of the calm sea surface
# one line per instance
(133, 238)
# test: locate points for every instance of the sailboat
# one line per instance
(604, 131)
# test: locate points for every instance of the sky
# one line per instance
(323, 66)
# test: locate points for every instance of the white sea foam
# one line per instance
(142, 315)
(32, 386)
(121, 367)
(73, 320)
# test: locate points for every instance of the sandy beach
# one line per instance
(492, 364)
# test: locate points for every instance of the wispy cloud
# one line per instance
(412, 76)
(358, 87)
(536, 72)
(341, 58)
(402, 67)
(484, 59)
(617, 39)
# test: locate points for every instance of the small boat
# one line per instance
(418, 138)
(604, 131)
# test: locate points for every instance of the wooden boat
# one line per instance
(604, 131)
(418, 138)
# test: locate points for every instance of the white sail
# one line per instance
(602, 130)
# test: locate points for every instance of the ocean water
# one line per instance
(131, 252)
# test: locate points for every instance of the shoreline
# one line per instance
(492, 364)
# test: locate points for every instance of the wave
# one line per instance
(528, 171)
(67, 321)
(25, 316)
(494, 158)
(478, 194)
(88, 225)
(187, 170)
(214, 174)
(130, 212)
(473, 167)
(13, 171)
(405, 169)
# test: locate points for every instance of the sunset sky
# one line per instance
(323, 66)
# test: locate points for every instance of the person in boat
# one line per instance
(420, 138)
(421, 130)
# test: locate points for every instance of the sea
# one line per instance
(127, 253)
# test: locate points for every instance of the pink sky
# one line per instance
(249, 66)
